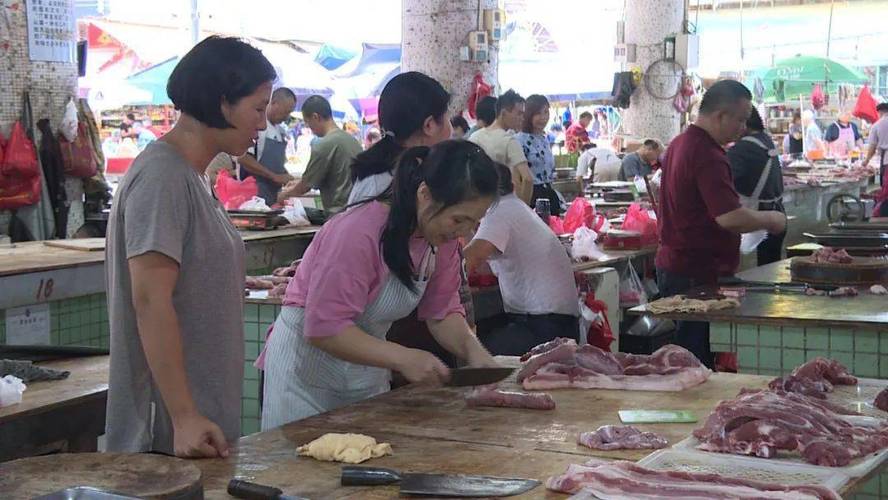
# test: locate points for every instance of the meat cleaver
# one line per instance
(438, 485)
(462, 377)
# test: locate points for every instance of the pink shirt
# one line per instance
(343, 271)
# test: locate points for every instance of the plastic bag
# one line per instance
(17, 191)
(865, 108)
(20, 156)
(294, 212)
(232, 192)
(2, 148)
(556, 225)
(593, 319)
(640, 220)
(750, 241)
(631, 288)
(255, 204)
(68, 129)
(11, 389)
(578, 213)
(78, 156)
(818, 99)
(584, 246)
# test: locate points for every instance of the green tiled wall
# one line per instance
(257, 319)
(774, 350)
(81, 321)
(874, 489)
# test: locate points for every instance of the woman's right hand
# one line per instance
(195, 436)
(422, 367)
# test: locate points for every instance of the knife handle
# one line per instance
(252, 491)
(368, 476)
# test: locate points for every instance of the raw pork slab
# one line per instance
(618, 437)
(814, 378)
(509, 399)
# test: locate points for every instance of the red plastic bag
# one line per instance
(865, 109)
(17, 191)
(479, 90)
(232, 192)
(600, 333)
(2, 148)
(726, 362)
(580, 213)
(639, 220)
(818, 100)
(20, 157)
(78, 157)
(556, 225)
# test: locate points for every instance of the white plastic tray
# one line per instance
(860, 397)
(757, 469)
(857, 468)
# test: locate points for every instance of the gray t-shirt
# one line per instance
(633, 165)
(879, 137)
(163, 205)
(329, 168)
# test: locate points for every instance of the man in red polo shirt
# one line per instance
(576, 135)
(701, 217)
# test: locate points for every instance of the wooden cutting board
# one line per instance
(140, 475)
(84, 244)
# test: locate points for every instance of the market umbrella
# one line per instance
(799, 74)
(153, 80)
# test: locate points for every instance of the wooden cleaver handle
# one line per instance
(252, 491)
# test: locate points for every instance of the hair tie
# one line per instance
(387, 133)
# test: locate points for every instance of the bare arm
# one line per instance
(252, 166)
(522, 180)
(744, 220)
(153, 280)
(478, 251)
(453, 334)
(870, 152)
(295, 188)
(356, 346)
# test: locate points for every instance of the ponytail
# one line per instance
(454, 171)
(381, 157)
(402, 221)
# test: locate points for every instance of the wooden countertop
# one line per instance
(88, 379)
(34, 256)
(432, 430)
(776, 272)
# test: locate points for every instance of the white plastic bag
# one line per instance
(68, 128)
(294, 212)
(750, 241)
(11, 389)
(631, 288)
(584, 246)
(255, 204)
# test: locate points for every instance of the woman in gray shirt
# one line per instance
(175, 265)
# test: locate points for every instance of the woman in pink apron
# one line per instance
(842, 136)
(372, 265)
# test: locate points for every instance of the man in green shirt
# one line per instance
(329, 166)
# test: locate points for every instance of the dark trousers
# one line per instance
(692, 335)
(770, 250)
(546, 191)
(522, 332)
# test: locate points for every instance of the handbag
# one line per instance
(20, 176)
(78, 157)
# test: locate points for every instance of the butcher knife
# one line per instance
(438, 485)
(462, 377)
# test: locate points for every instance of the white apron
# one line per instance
(302, 380)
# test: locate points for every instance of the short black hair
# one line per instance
(131, 116)
(722, 94)
(217, 70)
(317, 105)
(486, 109)
(283, 92)
(585, 114)
(507, 101)
(587, 146)
(754, 122)
(882, 107)
(459, 121)
(651, 144)
(505, 186)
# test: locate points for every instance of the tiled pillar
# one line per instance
(648, 23)
(432, 31)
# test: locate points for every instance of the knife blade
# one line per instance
(462, 377)
(440, 485)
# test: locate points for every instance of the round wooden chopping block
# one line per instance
(135, 474)
(863, 271)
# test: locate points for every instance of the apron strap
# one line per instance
(766, 171)
(427, 265)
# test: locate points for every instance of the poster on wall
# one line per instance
(51, 30)
(28, 325)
